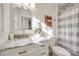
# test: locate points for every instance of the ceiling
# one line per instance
(61, 5)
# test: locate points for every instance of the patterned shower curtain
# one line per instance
(68, 26)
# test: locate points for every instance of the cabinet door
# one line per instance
(43, 51)
(24, 50)
(43, 48)
(33, 52)
(9, 52)
(53, 41)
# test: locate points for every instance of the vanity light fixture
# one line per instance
(32, 5)
(26, 5)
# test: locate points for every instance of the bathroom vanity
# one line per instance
(26, 47)
(27, 50)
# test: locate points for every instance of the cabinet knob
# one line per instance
(23, 52)
(43, 53)
(43, 45)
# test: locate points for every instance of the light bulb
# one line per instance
(32, 5)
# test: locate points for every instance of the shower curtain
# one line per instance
(68, 28)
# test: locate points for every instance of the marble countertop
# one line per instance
(15, 43)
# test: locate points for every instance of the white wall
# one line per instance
(5, 22)
(0, 17)
(5, 17)
(42, 9)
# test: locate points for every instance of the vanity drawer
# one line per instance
(19, 50)
(44, 43)
(9, 52)
(53, 41)
(43, 46)
(31, 53)
(27, 47)
(43, 51)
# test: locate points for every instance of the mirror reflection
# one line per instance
(22, 19)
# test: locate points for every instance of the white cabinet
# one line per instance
(53, 41)
(28, 50)
(43, 51)
(43, 48)
(18, 50)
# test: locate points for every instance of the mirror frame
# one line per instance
(30, 13)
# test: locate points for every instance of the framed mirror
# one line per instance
(22, 19)
(22, 22)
